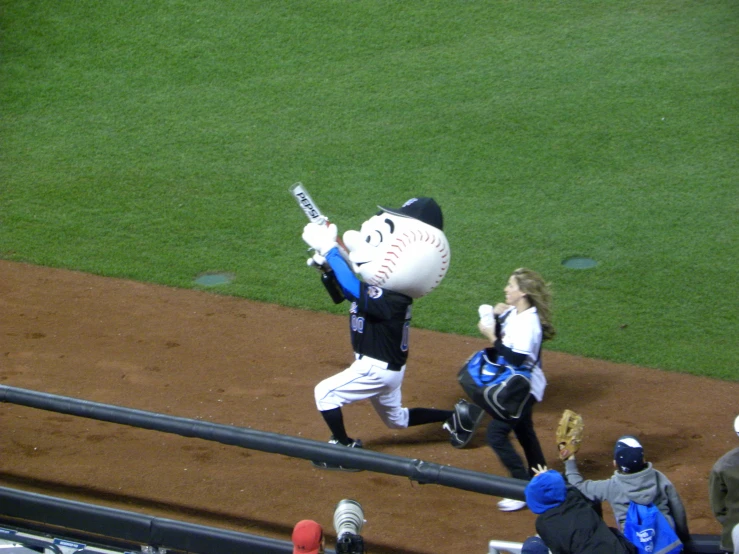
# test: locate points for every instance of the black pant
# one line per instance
(523, 427)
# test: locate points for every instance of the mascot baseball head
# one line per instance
(403, 250)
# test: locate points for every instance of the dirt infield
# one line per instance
(236, 362)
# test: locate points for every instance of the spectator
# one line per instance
(634, 479)
(567, 522)
(308, 538)
(723, 493)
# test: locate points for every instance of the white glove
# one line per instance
(316, 261)
(486, 315)
(320, 238)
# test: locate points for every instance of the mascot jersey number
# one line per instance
(396, 256)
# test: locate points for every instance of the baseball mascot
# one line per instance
(397, 256)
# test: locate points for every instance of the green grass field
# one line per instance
(156, 141)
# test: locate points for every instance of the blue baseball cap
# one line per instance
(545, 491)
(534, 545)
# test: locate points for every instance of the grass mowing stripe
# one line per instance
(155, 141)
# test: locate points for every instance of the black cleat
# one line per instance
(463, 423)
(337, 467)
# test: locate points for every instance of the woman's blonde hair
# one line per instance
(539, 295)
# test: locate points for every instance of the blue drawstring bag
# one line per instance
(649, 531)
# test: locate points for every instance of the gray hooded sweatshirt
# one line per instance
(723, 493)
(643, 487)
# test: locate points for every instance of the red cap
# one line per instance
(307, 536)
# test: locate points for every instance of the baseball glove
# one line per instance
(569, 434)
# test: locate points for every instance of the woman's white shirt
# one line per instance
(522, 333)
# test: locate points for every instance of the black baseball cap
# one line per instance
(421, 208)
(629, 454)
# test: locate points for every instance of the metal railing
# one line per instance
(128, 523)
(416, 470)
(137, 531)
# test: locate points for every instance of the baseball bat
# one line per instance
(306, 204)
(310, 208)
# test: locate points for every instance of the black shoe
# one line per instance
(355, 443)
(337, 467)
(463, 423)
